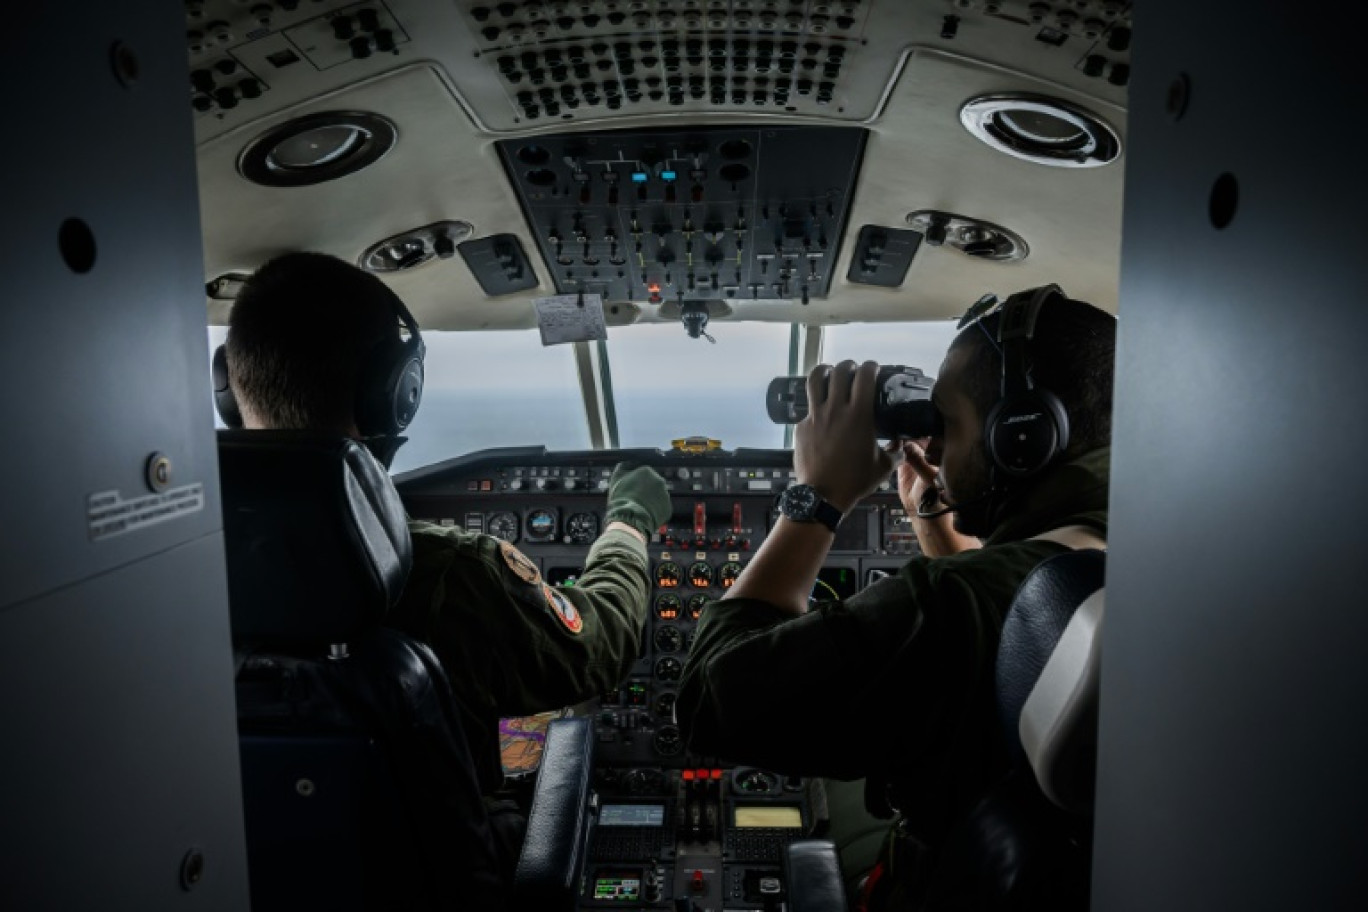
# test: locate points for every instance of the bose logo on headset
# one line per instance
(1028, 428)
(389, 384)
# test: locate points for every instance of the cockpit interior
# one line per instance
(617, 222)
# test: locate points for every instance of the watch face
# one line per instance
(799, 502)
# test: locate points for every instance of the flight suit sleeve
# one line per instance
(525, 646)
(835, 691)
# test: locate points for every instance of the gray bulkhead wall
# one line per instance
(1233, 756)
(119, 784)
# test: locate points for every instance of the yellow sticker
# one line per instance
(519, 563)
(563, 609)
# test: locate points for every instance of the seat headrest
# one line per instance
(1047, 674)
(316, 537)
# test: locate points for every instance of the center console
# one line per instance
(672, 831)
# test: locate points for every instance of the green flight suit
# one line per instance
(513, 645)
(894, 684)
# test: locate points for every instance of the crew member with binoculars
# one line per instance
(895, 683)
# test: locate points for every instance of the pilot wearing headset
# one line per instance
(316, 343)
(895, 683)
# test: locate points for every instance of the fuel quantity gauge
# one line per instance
(668, 575)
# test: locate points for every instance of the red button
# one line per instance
(699, 885)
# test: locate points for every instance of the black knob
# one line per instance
(227, 66)
(250, 88)
(226, 98)
(949, 27)
(1119, 75)
(935, 230)
(384, 40)
(361, 47)
(202, 80)
(443, 246)
(1119, 39)
(1095, 65)
(202, 102)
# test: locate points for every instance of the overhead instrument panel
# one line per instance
(666, 216)
(594, 60)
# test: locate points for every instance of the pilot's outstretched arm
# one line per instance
(513, 644)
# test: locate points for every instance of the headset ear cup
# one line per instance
(391, 389)
(1026, 433)
(224, 400)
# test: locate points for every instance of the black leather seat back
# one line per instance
(1020, 849)
(312, 523)
(359, 788)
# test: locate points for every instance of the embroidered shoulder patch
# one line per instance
(563, 609)
(519, 563)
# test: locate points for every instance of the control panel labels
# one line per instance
(108, 514)
(571, 318)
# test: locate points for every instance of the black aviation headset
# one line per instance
(1028, 427)
(389, 388)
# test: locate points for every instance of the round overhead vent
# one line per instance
(1043, 130)
(316, 148)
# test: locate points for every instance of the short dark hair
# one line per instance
(1072, 354)
(298, 334)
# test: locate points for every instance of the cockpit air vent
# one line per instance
(1041, 129)
(970, 236)
(416, 247)
(316, 148)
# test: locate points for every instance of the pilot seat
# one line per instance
(358, 786)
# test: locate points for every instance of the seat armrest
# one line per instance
(813, 877)
(552, 859)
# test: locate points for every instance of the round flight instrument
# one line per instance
(667, 741)
(727, 574)
(668, 607)
(581, 529)
(753, 781)
(700, 574)
(669, 669)
(503, 525)
(668, 575)
(668, 639)
(664, 705)
(696, 603)
(541, 525)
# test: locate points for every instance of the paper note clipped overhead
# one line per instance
(570, 318)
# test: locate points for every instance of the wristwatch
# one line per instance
(802, 503)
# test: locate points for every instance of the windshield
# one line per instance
(920, 345)
(667, 386)
(496, 389)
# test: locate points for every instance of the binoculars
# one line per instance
(902, 403)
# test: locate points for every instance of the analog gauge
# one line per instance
(581, 529)
(696, 603)
(669, 669)
(664, 705)
(700, 574)
(668, 575)
(727, 574)
(503, 525)
(668, 607)
(667, 741)
(668, 639)
(540, 525)
(753, 780)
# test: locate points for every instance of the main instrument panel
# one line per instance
(670, 827)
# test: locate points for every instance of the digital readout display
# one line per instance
(617, 888)
(632, 815)
(769, 816)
